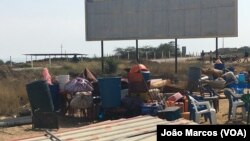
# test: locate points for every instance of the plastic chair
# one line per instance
(43, 114)
(207, 110)
(234, 102)
(209, 94)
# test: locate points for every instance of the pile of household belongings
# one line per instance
(159, 83)
(177, 99)
(138, 84)
(212, 73)
(217, 82)
(80, 90)
(135, 75)
(142, 90)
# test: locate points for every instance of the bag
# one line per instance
(82, 100)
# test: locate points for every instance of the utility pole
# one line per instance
(10, 62)
(61, 51)
(223, 42)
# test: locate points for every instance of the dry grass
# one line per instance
(13, 83)
(10, 93)
(77, 68)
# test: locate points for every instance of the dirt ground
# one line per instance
(68, 123)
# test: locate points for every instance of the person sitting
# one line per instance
(230, 79)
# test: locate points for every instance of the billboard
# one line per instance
(160, 19)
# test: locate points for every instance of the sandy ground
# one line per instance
(68, 123)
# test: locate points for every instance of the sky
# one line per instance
(55, 26)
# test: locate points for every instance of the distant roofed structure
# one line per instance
(66, 55)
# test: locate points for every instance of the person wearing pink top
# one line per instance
(46, 76)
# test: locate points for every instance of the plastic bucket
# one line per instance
(146, 75)
(110, 91)
(241, 78)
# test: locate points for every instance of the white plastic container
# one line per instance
(62, 80)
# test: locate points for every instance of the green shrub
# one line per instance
(9, 62)
(22, 65)
(1, 62)
(111, 65)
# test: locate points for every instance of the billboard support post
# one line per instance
(102, 56)
(176, 55)
(216, 44)
(137, 52)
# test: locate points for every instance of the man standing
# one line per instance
(211, 57)
(202, 56)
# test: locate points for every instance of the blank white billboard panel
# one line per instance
(160, 19)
